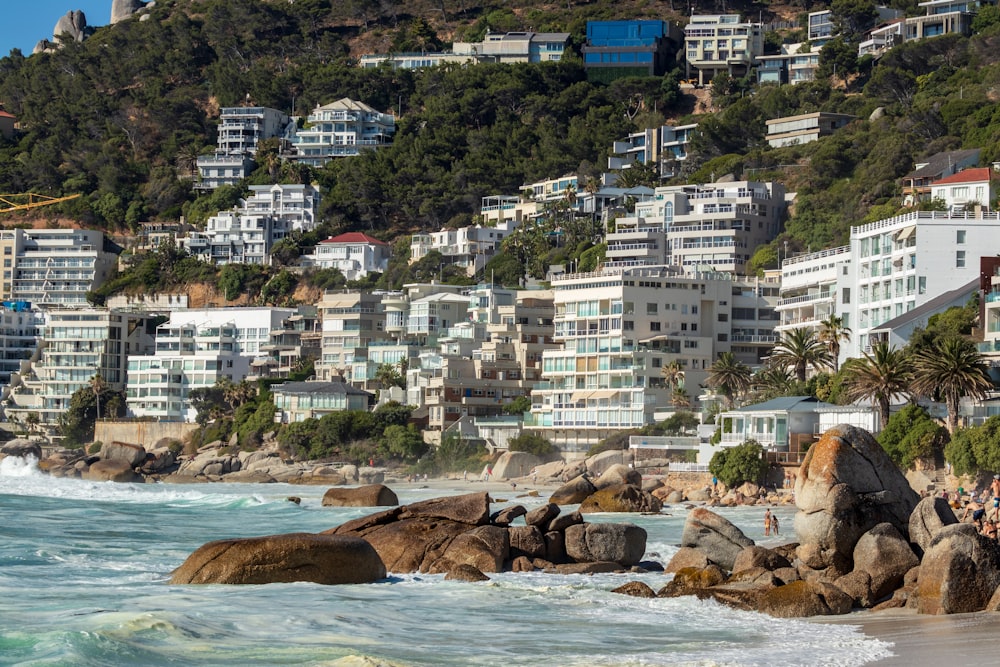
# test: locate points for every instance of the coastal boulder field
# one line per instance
(865, 540)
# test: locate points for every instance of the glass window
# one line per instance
(960, 236)
(959, 259)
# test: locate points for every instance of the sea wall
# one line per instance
(141, 432)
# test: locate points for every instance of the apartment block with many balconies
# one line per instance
(721, 44)
(341, 129)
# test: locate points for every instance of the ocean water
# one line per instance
(84, 569)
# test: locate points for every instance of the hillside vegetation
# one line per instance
(122, 116)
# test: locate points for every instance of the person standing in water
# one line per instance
(767, 523)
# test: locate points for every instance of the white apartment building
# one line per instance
(341, 129)
(20, 332)
(351, 322)
(809, 287)
(77, 345)
(194, 350)
(246, 234)
(468, 247)
(665, 146)
(53, 267)
(354, 254)
(241, 129)
(516, 47)
(903, 262)
(618, 328)
(721, 43)
(797, 63)
(804, 128)
(712, 227)
(507, 211)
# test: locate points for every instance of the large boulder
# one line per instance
(886, 557)
(759, 557)
(931, 515)
(134, 455)
(542, 515)
(409, 545)
(717, 537)
(111, 471)
(618, 475)
(621, 498)
(21, 448)
(622, 543)
(959, 572)
(320, 559)
(526, 541)
(846, 486)
(572, 492)
(373, 495)
(511, 465)
(486, 548)
(801, 599)
(72, 23)
(471, 508)
(122, 9)
(599, 463)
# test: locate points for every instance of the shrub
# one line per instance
(742, 463)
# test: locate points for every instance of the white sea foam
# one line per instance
(15, 466)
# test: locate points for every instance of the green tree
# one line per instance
(911, 435)
(518, 406)
(533, 444)
(404, 442)
(832, 333)
(879, 376)
(801, 349)
(951, 370)
(743, 463)
(729, 376)
(388, 376)
(976, 448)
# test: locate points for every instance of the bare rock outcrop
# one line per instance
(885, 556)
(846, 486)
(134, 455)
(617, 475)
(111, 471)
(617, 542)
(21, 448)
(573, 492)
(320, 559)
(511, 465)
(123, 9)
(621, 498)
(959, 572)
(930, 515)
(73, 23)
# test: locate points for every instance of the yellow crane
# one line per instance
(29, 200)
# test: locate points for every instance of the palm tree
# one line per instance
(880, 375)
(833, 332)
(800, 348)
(729, 376)
(950, 368)
(679, 398)
(673, 375)
(98, 386)
(772, 380)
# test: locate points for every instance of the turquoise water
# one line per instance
(84, 569)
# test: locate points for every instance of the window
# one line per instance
(922, 285)
(960, 236)
(723, 317)
(845, 296)
(628, 325)
(959, 259)
(654, 326)
(694, 310)
(651, 308)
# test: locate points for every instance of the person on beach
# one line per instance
(976, 509)
(774, 523)
(990, 530)
(767, 522)
(995, 490)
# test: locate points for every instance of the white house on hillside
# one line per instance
(354, 254)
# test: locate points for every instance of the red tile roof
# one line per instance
(4, 114)
(976, 175)
(354, 237)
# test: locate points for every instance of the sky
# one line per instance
(24, 24)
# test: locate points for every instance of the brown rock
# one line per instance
(526, 541)
(564, 521)
(320, 559)
(485, 547)
(555, 547)
(689, 580)
(506, 516)
(787, 574)
(134, 455)
(687, 557)
(573, 492)
(408, 545)
(886, 556)
(636, 589)
(465, 572)
(599, 567)
(621, 498)
(618, 475)
(111, 471)
(801, 599)
(858, 585)
(371, 495)
(959, 573)
(755, 556)
(622, 543)
(846, 486)
(471, 508)
(522, 564)
(541, 516)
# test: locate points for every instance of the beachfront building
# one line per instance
(618, 327)
(809, 288)
(354, 254)
(77, 344)
(20, 332)
(194, 350)
(298, 401)
(241, 129)
(352, 320)
(617, 49)
(916, 185)
(341, 129)
(901, 263)
(721, 44)
(290, 347)
(804, 128)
